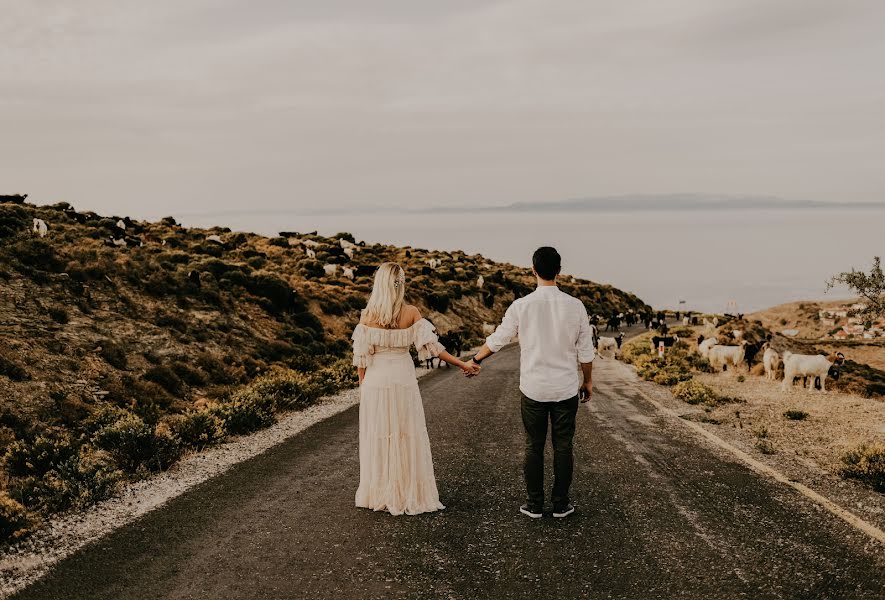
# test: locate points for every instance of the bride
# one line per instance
(396, 467)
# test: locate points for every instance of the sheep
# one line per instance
(605, 344)
(348, 273)
(806, 365)
(40, 228)
(214, 238)
(330, 269)
(480, 281)
(310, 253)
(349, 252)
(719, 356)
(770, 360)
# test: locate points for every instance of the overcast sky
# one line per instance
(171, 106)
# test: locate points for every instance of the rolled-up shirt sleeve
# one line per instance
(508, 328)
(584, 344)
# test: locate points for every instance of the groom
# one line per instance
(554, 335)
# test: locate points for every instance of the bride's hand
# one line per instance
(470, 369)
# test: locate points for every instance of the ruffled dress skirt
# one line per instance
(396, 466)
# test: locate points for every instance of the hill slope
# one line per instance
(114, 359)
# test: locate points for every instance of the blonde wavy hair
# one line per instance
(388, 296)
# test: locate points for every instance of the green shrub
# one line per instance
(197, 429)
(135, 445)
(290, 390)
(39, 455)
(244, 413)
(866, 463)
(79, 481)
(694, 392)
(14, 220)
(438, 301)
(15, 521)
(765, 447)
(59, 314)
(796, 415)
(219, 373)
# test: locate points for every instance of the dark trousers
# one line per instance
(562, 420)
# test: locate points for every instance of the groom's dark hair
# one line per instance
(547, 262)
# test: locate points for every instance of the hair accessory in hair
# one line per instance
(400, 279)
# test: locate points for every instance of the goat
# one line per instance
(349, 251)
(121, 225)
(40, 228)
(605, 344)
(619, 339)
(737, 334)
(345, 244)
(594, 335)
(364, 270)
(310, 253)
(121, 242)
(348, 273)
(704, 346)
(770, 360)
(806, 365)
(310, 243)
(720, 356)
(330, 269)
(686, 320)
(294, 241)
(480, 281)
(214, 238)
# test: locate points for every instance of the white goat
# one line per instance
(737, 334)
(40, 228)
(686, 321)
(349, 251)
(330, 269)
(310, 243)
(480, 281)
(348, 273)
(434, 262)
(704, 347)
(310, 253)
(121, 242)
(811, 366)
(770, 360)
(214, 238)
(345, 244)
(121, 225)
(720, 356)
(605, 344)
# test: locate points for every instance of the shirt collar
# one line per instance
(546, 289)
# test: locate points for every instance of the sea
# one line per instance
(717, 260)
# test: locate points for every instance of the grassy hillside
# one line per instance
(114, 360)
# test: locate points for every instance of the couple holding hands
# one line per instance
(396, 465)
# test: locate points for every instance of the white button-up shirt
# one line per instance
(554, 336)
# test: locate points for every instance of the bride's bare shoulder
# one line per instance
(411, 314)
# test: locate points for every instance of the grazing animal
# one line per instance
(121, 242)
(811, 366)
(310, 252)
(770, 360)
(330, 269)
(214, 238)
(607, 344)
(121, 225)
(310, 243)
(453, 341)
(345, 244)
(751, 351)
(668, 341)
(594, 334)
(480, 281)
(293, 241)
(194, 277)
(40, 228)
(434, 263)
(362, 270)
(686, 320)
(737, 334)
(349, 251)
(704, 346)
(348, 273)
(720, 356)
(426, 270)
(620, 339)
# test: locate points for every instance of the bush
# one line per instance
(438, 301)
(694, 392)
(279, 293)
(288, 390)
(13, 220)
(114, 354)
(59, 314)
(12, 369)
(166, 378)
(244, 413)
(197, 429)
(15, 521)
(866, 463)
(135, 445)
(796, 415)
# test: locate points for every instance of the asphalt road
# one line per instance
(660, 515)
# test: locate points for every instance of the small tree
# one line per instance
(870, 286)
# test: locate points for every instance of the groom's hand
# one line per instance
(585, 393)
(471, 369)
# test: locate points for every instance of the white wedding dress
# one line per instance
(396, 466)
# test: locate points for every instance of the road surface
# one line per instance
(660, 515)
